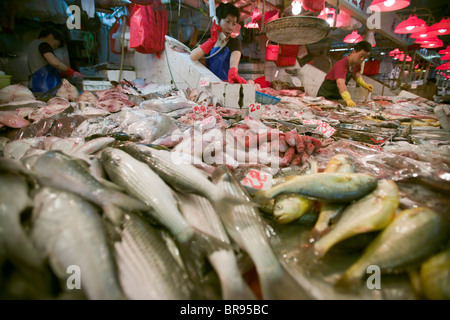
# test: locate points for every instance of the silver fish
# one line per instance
(70, 232)
(371, 213)
(14, 200)
(147, 269)
(338, 187)
(59, 171)
(245, 227)
(202, 216)
(180, 176)
(401, 243)
(140, 181)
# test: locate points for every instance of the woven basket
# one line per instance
(296, 30)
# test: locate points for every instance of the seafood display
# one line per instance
(165, 195)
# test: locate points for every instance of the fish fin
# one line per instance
(110, 185)
(114, 214)
(194, 252)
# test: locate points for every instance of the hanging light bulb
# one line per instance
(353, 37)
(395, 52)
(388, 5)
(296, 7)
(433, 44)
(445, 66)
(411, 25)
(442, 27)
(426, 40)
(444, 51)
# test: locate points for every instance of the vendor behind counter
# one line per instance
(45, 68)
(334, 86)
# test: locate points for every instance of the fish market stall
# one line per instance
(191, 188)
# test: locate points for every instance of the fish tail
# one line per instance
(226, 204)
(194, 252)
(322, 246)
(318, 232)
(232, 282)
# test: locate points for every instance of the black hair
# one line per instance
(56, 34)
(225, 9)
(363, 45)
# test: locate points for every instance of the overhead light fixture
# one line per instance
(411, 25)
(401, 57)
(433, 44)
(340, 49)
(353, 37)
(423, 34)
(395, 52)
(426, 40)
(445, 66)
(388, 5)
(444, 51)
(329, 15)
(442, 27)
(296, 7)
(446, 57)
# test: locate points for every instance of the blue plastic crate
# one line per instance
(266, 99)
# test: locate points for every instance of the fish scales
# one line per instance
(70, 232)
(246, 228)
(148, 269)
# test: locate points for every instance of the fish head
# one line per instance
(285, 210)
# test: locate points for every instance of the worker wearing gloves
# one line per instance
(334, 86)
(46, 69)
(223, 52)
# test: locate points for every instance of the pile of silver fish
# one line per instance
(104, 196)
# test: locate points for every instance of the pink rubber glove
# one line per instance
(209, 44)
(233, 76)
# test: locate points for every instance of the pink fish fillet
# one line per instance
(12, 120)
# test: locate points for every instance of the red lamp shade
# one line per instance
(445, 66)
(446, 57)
(433, 44)
(411, 25)
(388, 5)
(424, 34)
(401, 57)
(416, 66)
(444, 51)
(442, 27)
(426, 40)
(395, 52)
(353, 37)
